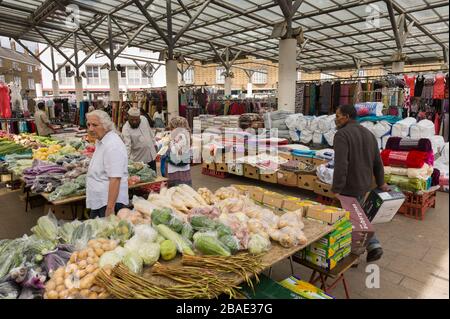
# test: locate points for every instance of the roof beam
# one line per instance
(33, 55)
(152, 22)
(394, 25)
(189, 23)
(180, 2)
(126, 44)
(54, 46)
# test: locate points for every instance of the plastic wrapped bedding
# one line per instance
(437, 143)
(329, 137)
(422, 173)
(294, 135)
(401, 128)
(379, 142)
(422, 129)
(292, 121)
(306, 136)
(384, 140)
(406, 183)
(368, 125)
(369, 108)
(276, 119)
(327, 153)
(304, 123)
(315, 123)
(442, 163)
(317, 138)
(325, 174)
(381, 129)
(326, 124)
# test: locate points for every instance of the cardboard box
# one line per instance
(269, 178)
(251, 171)
(5, 178)
(304, 289)
(210, 166)
(293, 205)
(287, 178)
(329, 251)
(306, 181)
(327, 263)
(273, 199)
(328, 214)
(319, 161)
(362, 228)
(308, 203)
(222, 167)
(343, 229)
(63, 212)
(286, 155)
(236, 169)
(381, 207)
(323, 189)
(303, 158)
(267, 288)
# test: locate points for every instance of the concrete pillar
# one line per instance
(398, 66)
(227, 86)
(172, 88)
(287, 75)
(39, 92)
(249, 88)
(55, 88)
(114, 93)
(79, 89)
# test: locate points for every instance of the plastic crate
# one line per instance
(212, 173)
(415, 205)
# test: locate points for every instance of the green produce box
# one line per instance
(329, 251)
(339, 233)
(304, 289)
(268, 289)
(327, 263)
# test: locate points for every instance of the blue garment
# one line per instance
(388, 118)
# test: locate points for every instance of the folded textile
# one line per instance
(408, 144)
(329, 137)
(388, 118)
(401, 128)
(384, 140)
(326, 124)
(411, 159)
(379, 142)
(382, 128)
(435, 177)
(424, 128)
(304, 153)
(325, 174)
(306, 136)
(292, 147)
(298, 166)
(304, 122)
(317, 138)
(314, 126)
(406, 183)
(424, 172)
(294, 135)
(437, 143)
(369, 108)
(326, 153)
(368, 125)
(292, 121)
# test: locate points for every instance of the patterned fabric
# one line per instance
(427, 92)
(178, 178)
(326, 97)
(299, 98)
(410, 80)
(439, 87)
(178, 122)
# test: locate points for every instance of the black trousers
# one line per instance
(101, 211)
(152, 165)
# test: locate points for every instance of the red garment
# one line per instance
(5, 102)
(237, 109)
(439, 87)
(410, 82)
(437, 124)
(411, 159)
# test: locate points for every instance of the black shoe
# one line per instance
(374, 255)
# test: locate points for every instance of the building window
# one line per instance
(299, 75)
(220, 77)
(18, 81)
(134, 75)
(189, 76)
(144, 78)
(31, 84)
(2, 78)
(259, 77)
(63, 80)
(104, 76)
(327, 76)
(362, 73)
(92, 74)
(15, 66)
(30, 68)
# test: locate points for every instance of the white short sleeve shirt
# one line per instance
(110, 159)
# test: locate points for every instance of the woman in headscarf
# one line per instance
(179, 153)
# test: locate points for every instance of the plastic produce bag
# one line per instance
(232, 242)
(46, 227)
(110, 258)
(258, 244)
(9, 290)
(149, 252)
(146, 232)
(133, 262)
(67, 229)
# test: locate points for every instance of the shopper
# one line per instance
(149, 119)
(179, 153)
(158, 117)
(139, 139)
(357, 160)
(43, 126)
(107, 176)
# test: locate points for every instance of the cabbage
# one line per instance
(47, 227)
(149, 252)
(134, 244)
(146, 232)
(159, 239)
(133, 262)
(109, 258)
(119, 250)
(258, 244)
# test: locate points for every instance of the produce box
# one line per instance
(323, 189)
(381, 207)
(63, 212)
(329, 214)
(327, 263)
(5, 178)
(287, 178)
(308, 203)
(222, 167)
(362, 228)
(269, 178)
(292, 204)
(303, 158)
(273, 199)
(306, 181)
(304, 289)
(329, 251)
(285, 155)
(319, 161)
(210, 166)
(236, 169)
(342, 229)
(251, 171)
(267, 288)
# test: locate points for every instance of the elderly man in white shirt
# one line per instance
(107, 176)
(139, 139)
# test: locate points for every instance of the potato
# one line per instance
(82, 264)
(85, 293)
(91, 252)
(93, 295)
(59, 281)
(99, 252)
(107, 247)
(90, 260)
(74, 257)
(60, 288)
(83, 254)
(103, 295)
(74, 291)
(91, 243)
(81, 273)
(59, 272)
(53, 294)
(97, 245)
(90, 268)
(96, 289)
(64, 294)
(51, 285)
(87, 281)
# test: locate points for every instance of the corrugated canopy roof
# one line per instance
(338, 31)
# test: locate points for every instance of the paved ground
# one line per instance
(414, 265)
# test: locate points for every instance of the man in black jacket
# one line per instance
(357, 159)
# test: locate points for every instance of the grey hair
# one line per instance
(104, 119)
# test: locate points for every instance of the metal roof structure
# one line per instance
(335, 34)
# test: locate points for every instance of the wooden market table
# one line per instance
(74, 200)
(313, 231)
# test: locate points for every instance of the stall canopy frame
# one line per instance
(339, 34)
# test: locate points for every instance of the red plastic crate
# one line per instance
(415, 205)
(212, 173)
